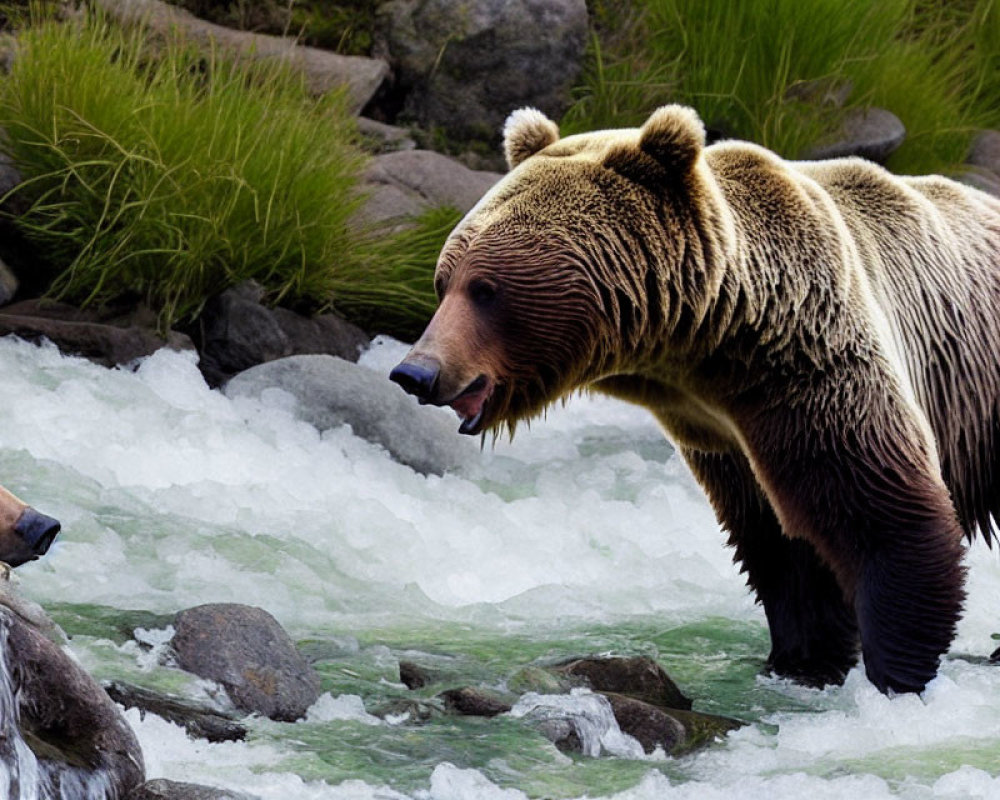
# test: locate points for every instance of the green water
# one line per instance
(714, 661)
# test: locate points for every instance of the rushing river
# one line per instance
(583, 536)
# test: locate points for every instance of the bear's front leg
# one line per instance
(814, 636)
(847, 467)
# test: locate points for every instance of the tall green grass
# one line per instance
(759, 69)
(158, 172)
(402, 300)
(174, 177)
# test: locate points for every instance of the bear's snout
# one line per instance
(37, 530)
(418, 375)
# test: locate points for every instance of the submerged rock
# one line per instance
(416, 711)
(473, 701)
(413, 676)
(652, 727)
(639, 677)
(162, 789)
(199, 721)
(330, 392)
(248, 652)
(645, 703)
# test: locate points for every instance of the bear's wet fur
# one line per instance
(820, 339)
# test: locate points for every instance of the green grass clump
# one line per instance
(760, 70)
(177, 176)
(402, 301)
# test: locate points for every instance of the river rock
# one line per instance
(639, 677)
(540, 681)
(982, 179)
(379, 137)
(413, 676)
(72, 727)
(677, 731)
(200, 721)
(472, 701)
(323, 70)
(248, 652)
(331, 392)
(86, 333)
(236, 332)
(651, 726)
(162, 789)
(10, 176)
(408, 710)
(8, 284)
(985, 152)
(463, 65)
(871, 133)
(403, 184)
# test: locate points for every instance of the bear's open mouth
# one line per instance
(470, 404)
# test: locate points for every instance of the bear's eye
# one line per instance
(440, 286)
(483, 293)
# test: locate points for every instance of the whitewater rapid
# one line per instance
(172, 494)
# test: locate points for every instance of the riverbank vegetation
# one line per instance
(157, 171)
(165, 175)
(782, 72)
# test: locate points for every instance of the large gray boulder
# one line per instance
(403, 184)
(248, 652)
(323, 70)
(463, 65)
(331, 392)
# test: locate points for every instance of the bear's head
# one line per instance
(564, 269)
(25, 534)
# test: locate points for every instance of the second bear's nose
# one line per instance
(37, 530)
(417, 375)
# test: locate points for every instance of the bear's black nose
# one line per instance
(37, 530)
(417, 375)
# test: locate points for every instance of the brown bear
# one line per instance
(820, 339)
(25, 534)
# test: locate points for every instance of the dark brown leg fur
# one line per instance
(846, 468)
(814, 636)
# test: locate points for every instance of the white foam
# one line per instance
(343, 707)
(172, 495)
(590, 716)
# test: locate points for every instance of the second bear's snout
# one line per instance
(38, 530)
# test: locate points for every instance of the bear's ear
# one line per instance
(525, 132)
(669, 145)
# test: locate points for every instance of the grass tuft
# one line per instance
(760, 70)
(179, 175)
(400, 299)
